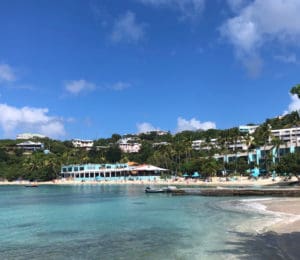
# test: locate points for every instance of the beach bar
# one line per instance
(110, 172)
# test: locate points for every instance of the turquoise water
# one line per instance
(117, 222)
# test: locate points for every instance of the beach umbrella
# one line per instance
(196, 175)
(185, 175)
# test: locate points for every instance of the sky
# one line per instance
(91, 68)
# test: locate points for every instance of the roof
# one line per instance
(30, 143)
(148, 167)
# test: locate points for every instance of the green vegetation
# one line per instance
(296, 90)
(173, 152)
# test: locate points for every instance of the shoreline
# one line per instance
(277, 238)
(288, 210)
(239, 181)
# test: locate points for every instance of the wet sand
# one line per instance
(279, 240)
(289, 209)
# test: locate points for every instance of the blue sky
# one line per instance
(88, 69)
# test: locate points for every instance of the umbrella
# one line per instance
(196, 175)
(185, 175)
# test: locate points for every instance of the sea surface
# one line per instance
(122, 222)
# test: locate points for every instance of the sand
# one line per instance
(289, 210)
(215, 181)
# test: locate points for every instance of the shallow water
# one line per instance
(120, 222)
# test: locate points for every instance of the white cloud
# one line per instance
(126, 29)
(76, 86)
(288, 58)
(15, 120)
(294, 104)
(6, 73)
(187, 8)
(193, 125)
(118, 86)
(261, 22)
(146, 127)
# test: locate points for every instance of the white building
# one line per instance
(197, 144)
(158, 132)
(213, 143)
(238, 145)
(160, 144)
(248, 129)
(26, 136)
(203, 145)
(288, 135)
(86, 144)
(129, 145)
(31, 146)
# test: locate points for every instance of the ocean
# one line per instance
(122, 222)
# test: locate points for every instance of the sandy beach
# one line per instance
(277, 240)
(215, 181)
(289, 210)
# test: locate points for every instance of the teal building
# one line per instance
(109, 172)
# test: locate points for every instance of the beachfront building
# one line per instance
(258, 156)
(129, 145)
(31, 146)
(110, 172)
(85, 144)
(27, 136)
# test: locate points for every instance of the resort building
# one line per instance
(107, 172)
(26, 136)
(248, 129)
(289, 135)
(85, 144)
(158, 132)
(196, 145)
(129, 145)
(203, 145)
(155, 145)
(238, 145)
(258, 156)
(31, 146)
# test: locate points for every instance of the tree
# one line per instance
(115, 138)
(210, 167)
(290, 163)
(296, 90)
(113, 154)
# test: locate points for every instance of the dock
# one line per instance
(274, 192)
